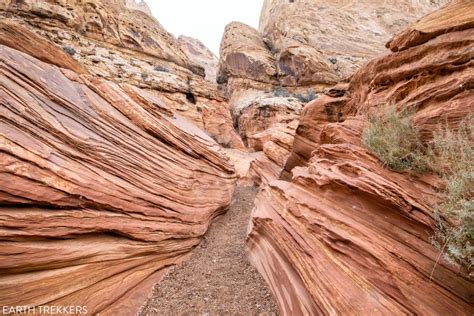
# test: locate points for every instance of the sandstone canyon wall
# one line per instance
(302, 48)
(343, 234)
(103, 181)
(247, 73)
(124, 43)
(112, 167)
(201, 55)
(325, 41)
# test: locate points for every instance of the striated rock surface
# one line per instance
(103, 26)
(102, 188)
(344, 235)
(20, 38)
(200, 55)
(245, 59)
(212, 116)
(306, 46)
(329, 108)
(320, 41)
(257, 121)
(121, 41)
(270, 162)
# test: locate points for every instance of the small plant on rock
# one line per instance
(71, 51)
(390, 136)
(452, 156)
(279, 91)
(308, 97)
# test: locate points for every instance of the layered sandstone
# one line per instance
(303, 47)
(321, 41)
(277, 145)
(200, 55)
(248, 74)
(245, 59)
(346, 235)
(121, 41)
(103, 25)
(21, 39)
(328, 108)
(102, 186)
(258, 120)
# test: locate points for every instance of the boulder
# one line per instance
(257, 121)
(244, 55)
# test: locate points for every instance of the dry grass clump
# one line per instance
(391, 136)
(452, 156)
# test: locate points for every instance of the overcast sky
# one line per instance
(204, 19)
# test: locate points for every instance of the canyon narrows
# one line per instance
(217, 279)
(140, 173)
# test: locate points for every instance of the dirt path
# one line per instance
(217, 280)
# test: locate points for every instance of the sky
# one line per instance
(204, 19)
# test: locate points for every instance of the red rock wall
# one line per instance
(107, 39)
(345, 235)
(101, 188)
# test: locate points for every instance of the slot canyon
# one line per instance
(142, 174)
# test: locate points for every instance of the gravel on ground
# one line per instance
(217, 279)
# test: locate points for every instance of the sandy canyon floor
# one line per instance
(217, 279)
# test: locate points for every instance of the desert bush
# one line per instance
(70, 50)
(452, 157)
(160, 68)
(308, 97)
(390, 136)
(279, 91)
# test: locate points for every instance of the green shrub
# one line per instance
(280, 91)
(390, 136)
